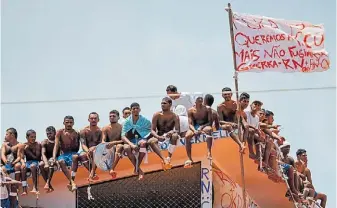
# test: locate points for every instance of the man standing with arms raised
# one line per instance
(68, 140)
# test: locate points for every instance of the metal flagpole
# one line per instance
(230, 14)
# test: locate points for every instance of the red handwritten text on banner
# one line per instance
(268, 44)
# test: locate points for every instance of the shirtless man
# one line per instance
(32, 153)
(302, 167)
(208, 101)
(46, 167)
(136, 132)
(11, 154)
(165, 125)
(200, 120)
(91, 136)
(227, 112)
(112, 135)
(268, 128)
(68, 140)
(288, 166)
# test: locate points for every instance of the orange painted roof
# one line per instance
(225, 156)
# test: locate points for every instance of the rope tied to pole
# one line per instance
(90, 197)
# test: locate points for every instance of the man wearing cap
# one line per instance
(253, 122)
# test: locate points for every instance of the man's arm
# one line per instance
(215, 117)
(308, 175)
(154, 126)
(3, 153)
(127, 141)
(43, 152)
(104, 134)
(38, 152)
(83, 140)
(11, 181)
(20, 154)
(57, 144)
(177, 124)
(219, 110)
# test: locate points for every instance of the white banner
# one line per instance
(268, 44)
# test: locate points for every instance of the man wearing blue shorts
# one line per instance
(11, 154)
(135, 134)
(32, 153)
(68, 139)
(200, 120)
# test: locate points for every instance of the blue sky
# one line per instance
(59, 50)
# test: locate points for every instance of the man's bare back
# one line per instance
(165, 122)
(69, 140)
(112, 132)
(227, 111)
(92, 136)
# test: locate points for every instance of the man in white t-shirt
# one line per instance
(181, 98)
(181, 111)
(253, 121)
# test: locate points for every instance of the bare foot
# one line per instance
(73, 187)
(69, 186)
(34, 190)
(93, 177)
(113, 174)
(51, 189)
(188, 164)
(141, 175)
(24, 193)
(209, 156)
(46, 187)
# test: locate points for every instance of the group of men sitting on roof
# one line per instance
(182, 116)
